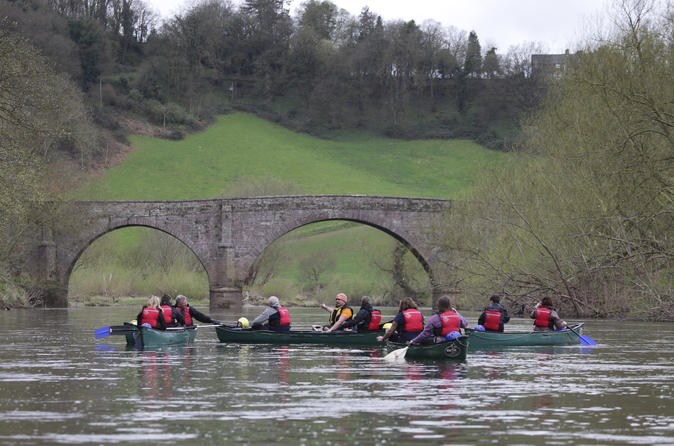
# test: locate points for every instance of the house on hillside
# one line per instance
(550, 65)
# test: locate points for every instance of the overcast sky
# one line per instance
(557, 24)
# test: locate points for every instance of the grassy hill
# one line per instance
(240, 145)
(239, 148)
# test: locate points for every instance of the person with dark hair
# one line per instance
(545, 317)
(367, 318)
(172, 316)
(274, 317)
(338, 315)
(189, 313)
(494, 316)
(407, 324)
(447, 320)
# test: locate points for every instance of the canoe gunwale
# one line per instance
(482, 339)
(248, 336)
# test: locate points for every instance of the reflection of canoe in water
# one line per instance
(455, 349)
(490, 339)
(248, 336)
(149, 337)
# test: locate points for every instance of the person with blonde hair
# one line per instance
(151, 314)
(407, 324)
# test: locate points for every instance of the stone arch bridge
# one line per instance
(228, 235)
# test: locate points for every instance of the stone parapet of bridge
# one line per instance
(227, 235)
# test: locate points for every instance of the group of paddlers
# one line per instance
(409, 324)
(160, 314)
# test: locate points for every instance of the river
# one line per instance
(60, 385)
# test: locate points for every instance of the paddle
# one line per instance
(104, 332)
(396, 355)
(585, 340)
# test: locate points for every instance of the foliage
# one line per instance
(586, 214)
(338, 71)
(40, 112)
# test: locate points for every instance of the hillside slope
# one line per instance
(240, 145)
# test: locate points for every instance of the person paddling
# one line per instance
(407, 324)
(190, 313)
(494, 316)
(274, 317)
(338, 315)
(151, 315)
(447, 320)
(545, 317)
(367, 318)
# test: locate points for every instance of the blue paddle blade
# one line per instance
(586, 340)
(102, 332)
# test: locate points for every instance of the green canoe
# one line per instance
(149, 337)
(479, 340)
(455, 349)
(248, 336)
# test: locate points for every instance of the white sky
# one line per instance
(557, 24)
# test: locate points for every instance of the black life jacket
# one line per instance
(337, 312)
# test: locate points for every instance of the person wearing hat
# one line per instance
(338, 315)
(274, 317)
(189, 313)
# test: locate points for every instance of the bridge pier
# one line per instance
(226, 297)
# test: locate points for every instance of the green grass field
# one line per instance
(240, 147)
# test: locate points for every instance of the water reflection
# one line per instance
(59, 385)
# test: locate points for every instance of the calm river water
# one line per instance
(60, 385)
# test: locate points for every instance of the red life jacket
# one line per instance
(543, 317)
(375, 319)
(150, 316)
(450, 322)
(414, 321)
(285, 316)
(492, 320)
(186, 313)
(168, 313)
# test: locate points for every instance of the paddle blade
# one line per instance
(102, 332)
(586, 340)
(396, 355)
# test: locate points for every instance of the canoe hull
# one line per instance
(454, 350)
(479, 340)
(149, 337)
(247, 336)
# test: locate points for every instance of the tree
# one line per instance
(472, 66)
(30, 107)
(586, 213)
(491, 66)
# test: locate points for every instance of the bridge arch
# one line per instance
(86, 244)
(318, 217)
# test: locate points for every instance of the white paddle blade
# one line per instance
(396, 355)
